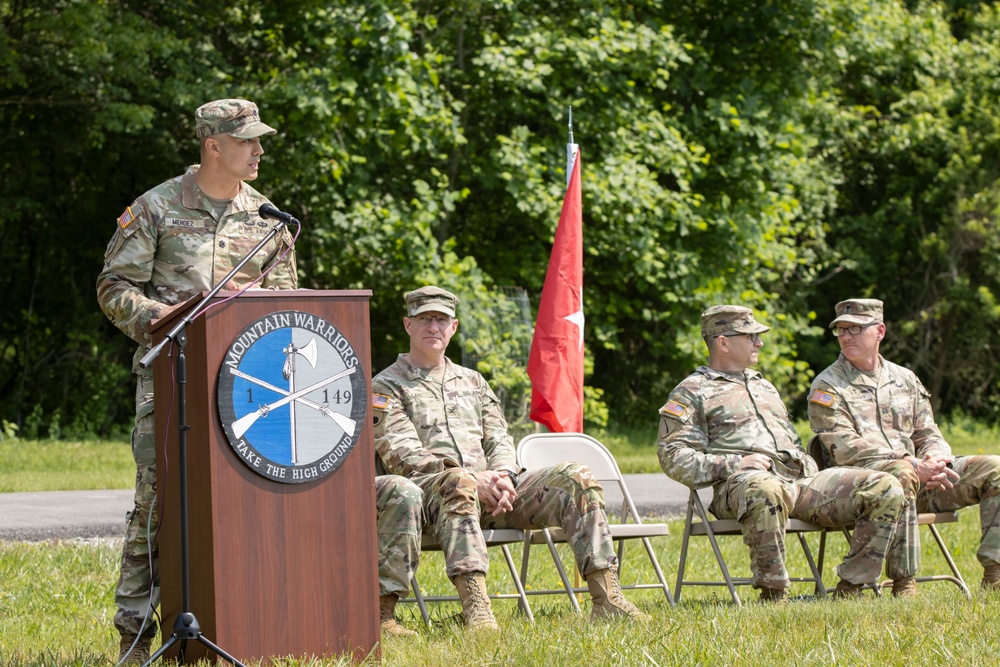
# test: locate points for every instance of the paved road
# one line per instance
(41, 516)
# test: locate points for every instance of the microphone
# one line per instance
(269, 210)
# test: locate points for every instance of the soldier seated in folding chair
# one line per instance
(872, 413)
(726, 426)
(440, 425)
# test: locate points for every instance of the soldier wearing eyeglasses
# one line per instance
(872, 413)
(725, 426)
(440, 425)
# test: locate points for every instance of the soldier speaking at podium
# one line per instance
(171, 243)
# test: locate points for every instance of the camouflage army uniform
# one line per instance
(168, 247)
(438, 433)
(398, 504)
(874, 420)
(713, 419)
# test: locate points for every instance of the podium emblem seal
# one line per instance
(292, 397)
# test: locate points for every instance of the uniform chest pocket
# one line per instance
(901, 407)
(184, 237)
(464, 405)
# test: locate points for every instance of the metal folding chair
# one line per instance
(494, 538)
(541, 450)
(714, 528)
(928, 519)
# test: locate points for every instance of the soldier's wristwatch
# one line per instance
(513, 478)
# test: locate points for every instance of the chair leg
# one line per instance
(684, 551)
(562, 571)
(656, 568)
(819, 588)
(718, 555)
(525, 553)
(822, 550)
(957, 580)
(523, 597)
(722, 566)
(822, 554)
(420, 599)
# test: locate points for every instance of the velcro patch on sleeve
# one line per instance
(674, 409)
(380, 401)
(821, 397)
(126, 218)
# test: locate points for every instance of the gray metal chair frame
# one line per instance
(929, 519)
(540, 450)
(494, 538)
(712, 528)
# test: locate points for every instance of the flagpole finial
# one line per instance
(570, 149)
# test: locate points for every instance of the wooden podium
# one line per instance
(276, 568)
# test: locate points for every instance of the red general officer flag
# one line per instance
(555, 364)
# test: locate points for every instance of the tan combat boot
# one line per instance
(991, 578)
(904, 588)
(475, 601)
(137, 655)
(606, 592)
(847, 591)
(387, 618)
(774, 595)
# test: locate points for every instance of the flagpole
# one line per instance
(571, 152)
(555, 362)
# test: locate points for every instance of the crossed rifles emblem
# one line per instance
(293, 395)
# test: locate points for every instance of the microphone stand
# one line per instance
(186, 626)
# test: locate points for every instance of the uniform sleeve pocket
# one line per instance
(118, 241)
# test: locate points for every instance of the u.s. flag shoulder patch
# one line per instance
(674, 409)
(380, 401)
(821, 397)
(126, 218)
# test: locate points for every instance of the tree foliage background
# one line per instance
(782, 154)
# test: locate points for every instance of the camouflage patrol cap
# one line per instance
(237, 118)
(727, 319)
(430, 298)
(858, 311)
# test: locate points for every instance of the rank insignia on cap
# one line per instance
(674, 408)
(126, 218)
(379, 401)
(822, 398)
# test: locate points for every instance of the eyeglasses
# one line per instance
(754, 338)
(853, 330)
(426, 320)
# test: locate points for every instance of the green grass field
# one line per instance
(56, 599)
(29, 465)
(56, 608)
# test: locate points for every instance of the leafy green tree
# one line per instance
(782, 154)
(79, 141)
(916, 223)
(696, 191)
